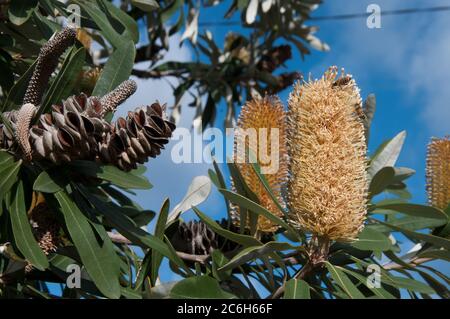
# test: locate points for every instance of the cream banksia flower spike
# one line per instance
(328, 185)
(438, 172)
(263, 113)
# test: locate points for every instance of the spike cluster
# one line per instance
(46, 63)
(327, 185)
(438, 172)
(112, 100)
(264, 116)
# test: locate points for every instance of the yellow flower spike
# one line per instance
(262, 116)
(327, 187)
(438, 172)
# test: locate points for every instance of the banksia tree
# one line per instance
(67, 165)
(327, 183)
(260, 119)
(438, 172)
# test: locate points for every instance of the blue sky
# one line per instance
(406, 64)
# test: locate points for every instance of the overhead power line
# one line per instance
(347, 16)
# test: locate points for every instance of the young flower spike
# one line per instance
(265, 118)
(327, 186)
(438, 172)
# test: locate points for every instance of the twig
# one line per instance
(413, 263)
(120, 239)
(299, 275)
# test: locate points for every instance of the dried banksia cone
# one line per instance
(71, 131)
(438, 172)
(142, 134)
(76, 130)
(46, 63)
(265, 120)
(195, 238)
(328, 184)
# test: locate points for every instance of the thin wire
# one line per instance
(346, 16)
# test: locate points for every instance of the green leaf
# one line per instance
(8, 173)
(117, 69)
(219, 260)
(410, 223)
(238, 238)
(20, 11)
(112, 174)
(438, 241)
(128, 22)
(297, 289)
(386, 176)
(168, 11)
(263, 180)
(382, 179)
(380, 292)
(145, 5)
(129, 293)
(370, 239)
(127, 228)
(410, 284)
(107, 30)
(256, 208)
(199, 287)
(388, 154)
(369, 112)
(159, 233)
(17, 92)
(47, 183)
(344, 282)
(23, 235)
(5, 158)
(254, 252)
(95, 257)
(416, 210)
(65, 81)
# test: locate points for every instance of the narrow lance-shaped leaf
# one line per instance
(95, 258)
(344, 282)
(23, 235)
(117, 69)
(297, 289)
(159, 233)
(199, 287)
(388, 154)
